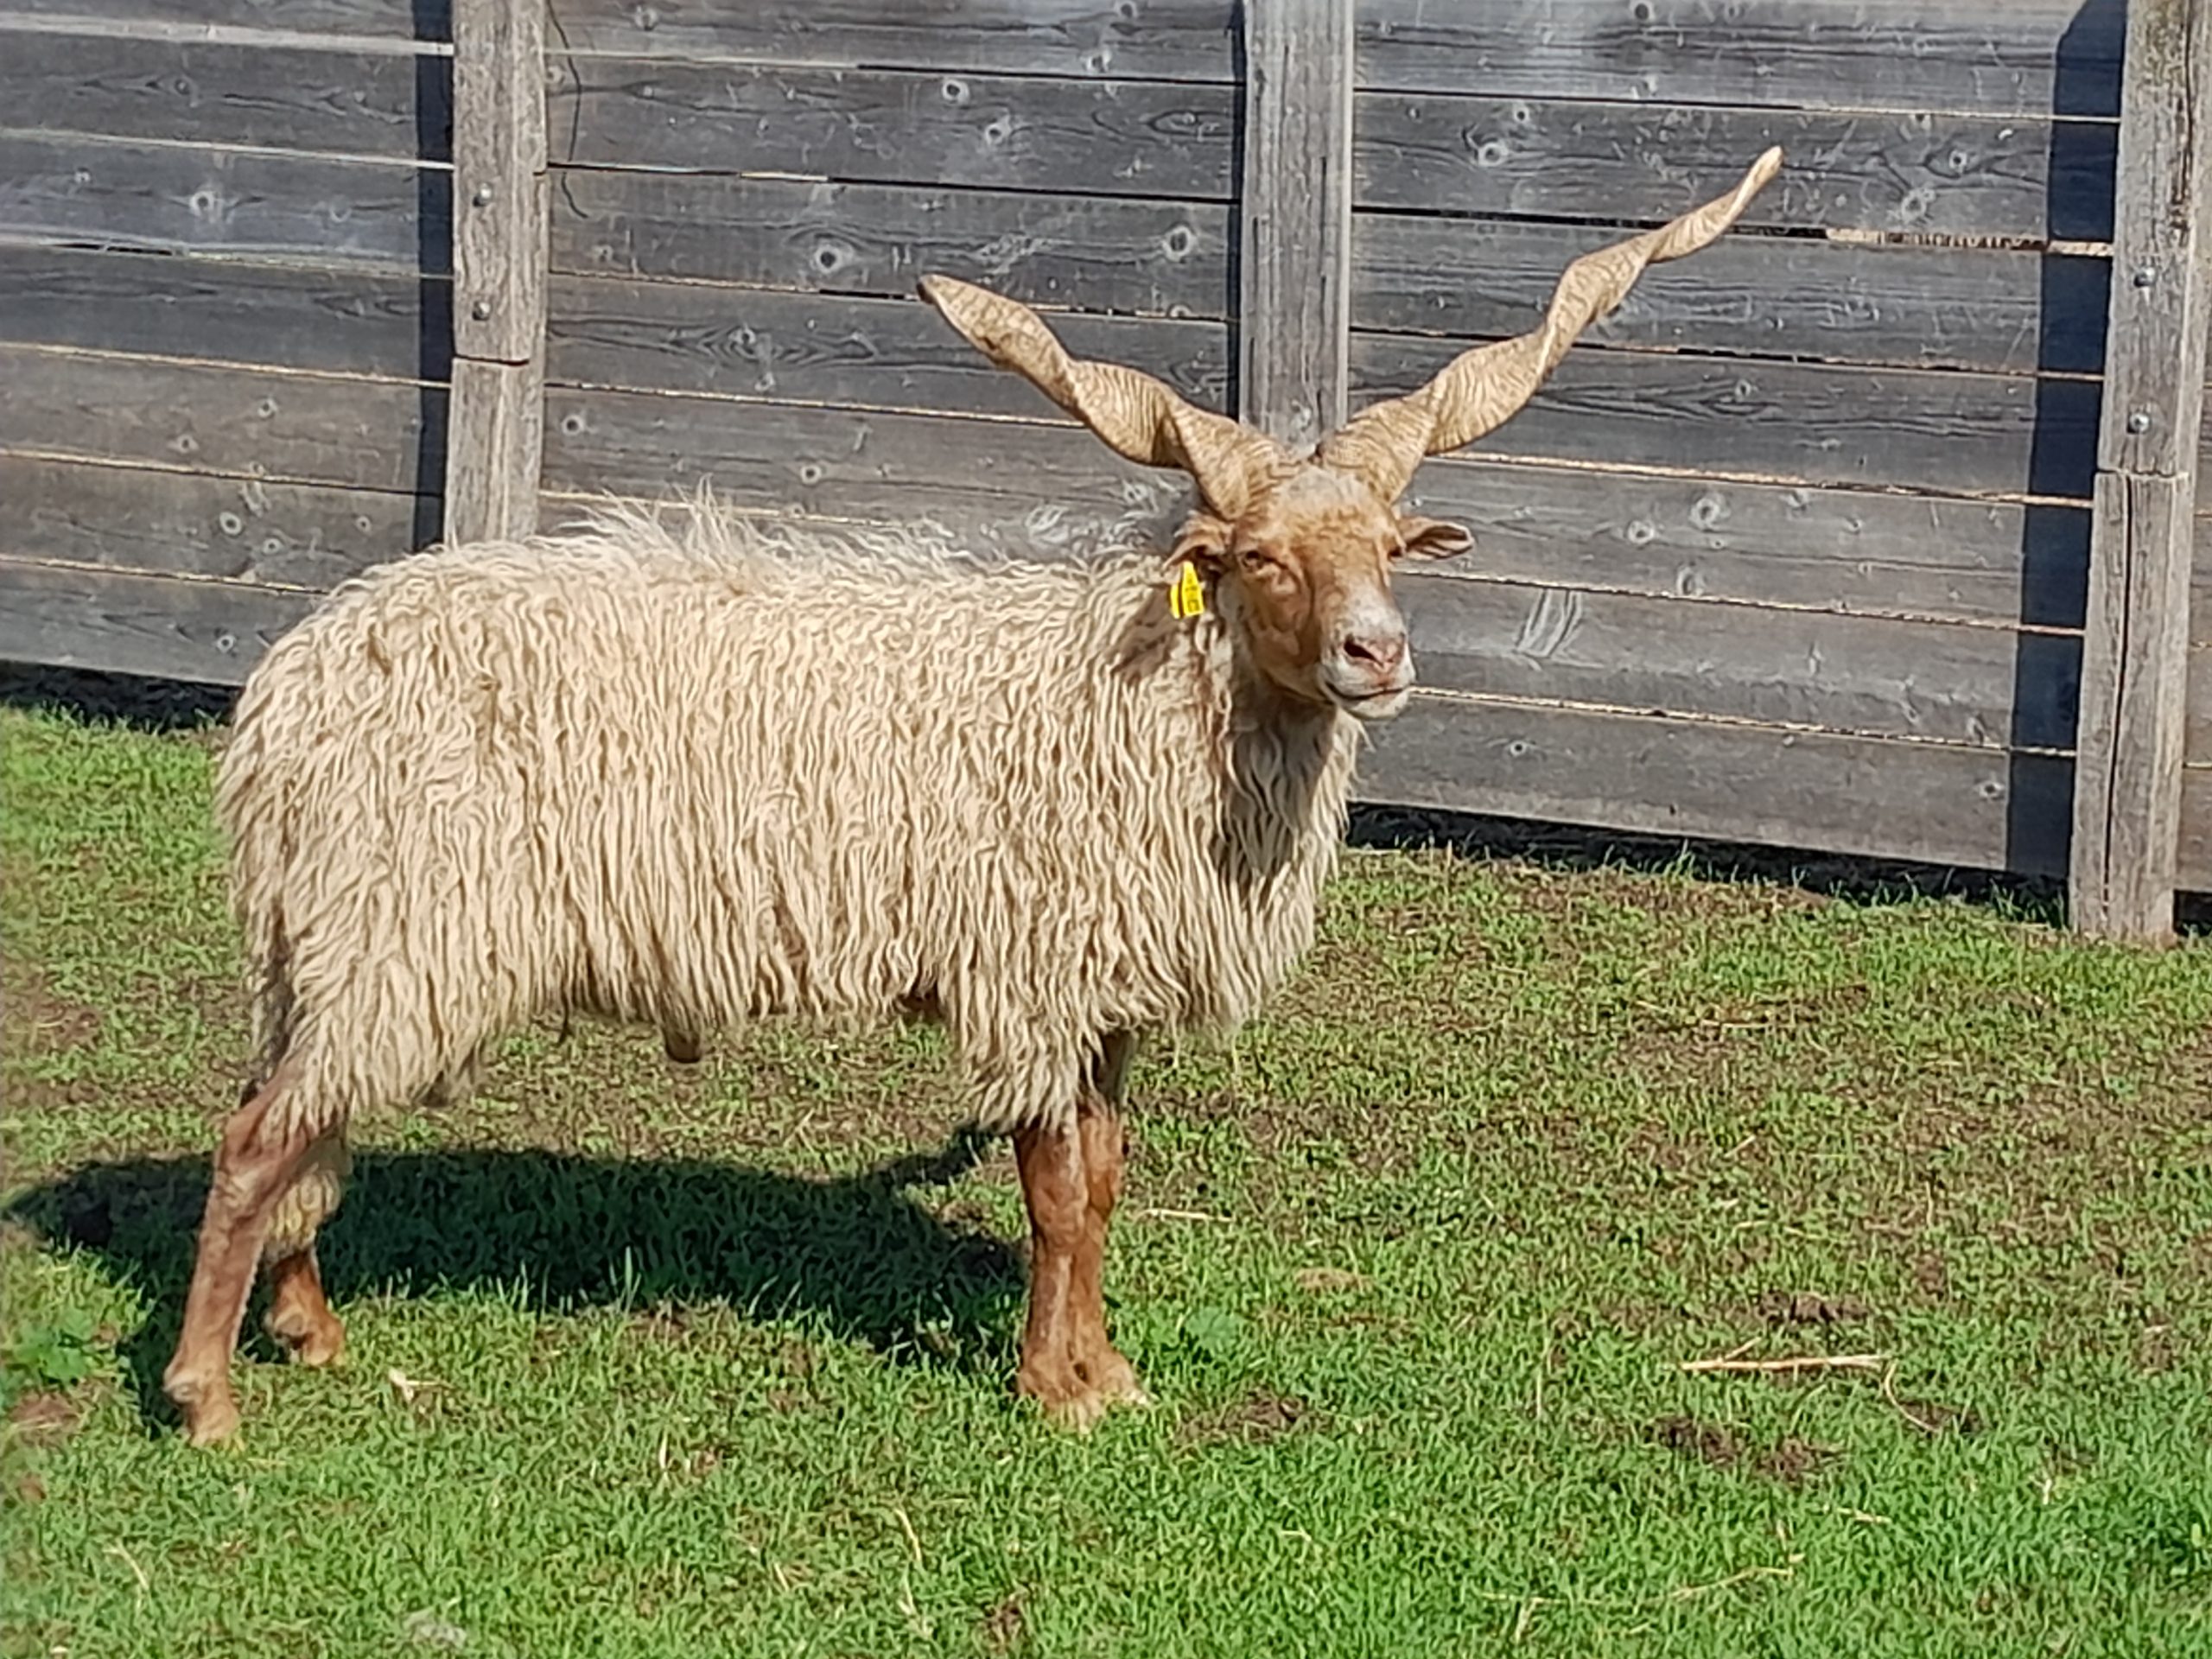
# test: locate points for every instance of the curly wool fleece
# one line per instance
(694, 773)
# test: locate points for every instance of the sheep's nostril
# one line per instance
(1381, 652)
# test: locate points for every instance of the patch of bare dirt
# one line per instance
(1809, 1307)
(45, 1417)
(1003, 1627)
(1259, 1417)
(1789, 1462)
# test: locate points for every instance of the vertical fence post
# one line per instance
(495, 423)
(2135, 652)
(1295, 222)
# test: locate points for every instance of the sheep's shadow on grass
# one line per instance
(580, 1232)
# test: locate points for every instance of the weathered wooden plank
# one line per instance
(1872, 796)
(2193, 862)
(1115, 138)
(349, 322)
(840, 349)
(279, 98)
(1294, 220)
(2025, 57)
(1894, 303)
(1940, 430)
(211, 418)
(496, 434)
(122, 622)
(2135, 663)
(1850, 551)
(381, 20)
(1035, 486)
(179, 199)
(1991, 687)
(190, 524)
(2016, 176)
(1161, 40)
(1166, 259)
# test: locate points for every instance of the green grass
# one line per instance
(648, 1361)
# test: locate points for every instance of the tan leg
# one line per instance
(1104, 1152)
(299, 1316)
(1059, 1200)
(255, 1165)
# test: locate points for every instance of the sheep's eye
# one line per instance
(1259, 561)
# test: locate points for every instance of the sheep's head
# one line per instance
(1297, 549)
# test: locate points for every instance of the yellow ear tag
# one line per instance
(1187, 597)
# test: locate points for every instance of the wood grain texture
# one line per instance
(1814, 424)
(332, 102)
(181, 198)
(2135, 666)
(1115, 138)
(495, 435)
(1898, 304)
(420, 20)
(1989, 688)
(285, 316)
(1294, 220)
(2023, 57)
(2013, 175)
(184, 523)
(1851, 550)
(1872, 796)
(2193, 862)
(879, 354)
(122, 622)
(1163, 259)
(206, 417)
(1035, 487)
(1161, 40)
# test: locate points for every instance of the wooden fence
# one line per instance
(1868, 530)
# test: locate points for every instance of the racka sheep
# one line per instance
(700, 774)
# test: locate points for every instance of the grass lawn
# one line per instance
(652, 1360)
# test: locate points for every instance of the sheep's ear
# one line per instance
(1204, 545)
(1433, 539)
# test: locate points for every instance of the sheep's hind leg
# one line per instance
(1099, 1123)
(299, 1314)
(1057, 1195)
(255, 1164)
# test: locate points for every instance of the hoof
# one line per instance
(682, 1047)
(314, 1343)
(1114, 1381)
(211, 1415)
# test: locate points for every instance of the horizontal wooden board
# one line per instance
(1166, 40)
(1851, 550)
(206, 417)
(1026, 485)
(2015, 176)
(1166, 258)
(838, 349)
(1989, 687)
(380, 20)
(1940, 430)
(187, 524)
(184, 198)
(2023, 57)
(356, 322)
(124, 622)
(1868, 797)
(1891, 303)
(332, 102)
(1117, 138)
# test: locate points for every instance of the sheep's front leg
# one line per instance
(1057, 1195)
(1104, 1151)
